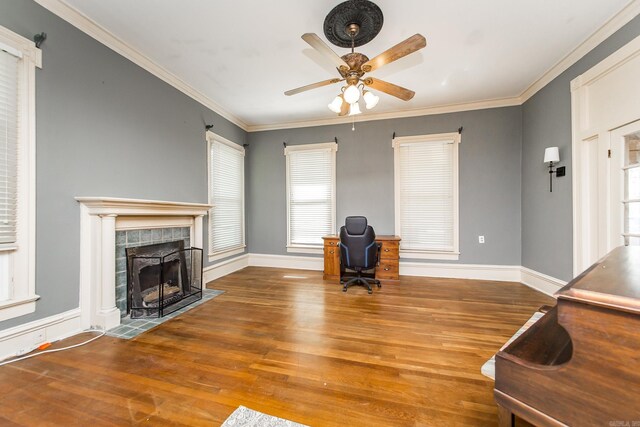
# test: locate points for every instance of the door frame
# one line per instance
(599, 105)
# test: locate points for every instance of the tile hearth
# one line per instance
(131, 328)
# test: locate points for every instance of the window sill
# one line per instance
(15, 308)
(306, 250)
(451, 256)
(225, 254)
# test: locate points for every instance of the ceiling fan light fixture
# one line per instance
(351, 94)
(354, 109)
(370, 99)
(336, 104)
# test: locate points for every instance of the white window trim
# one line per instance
(215, 256)
(311, 249)
(23, 253)
(455, 137)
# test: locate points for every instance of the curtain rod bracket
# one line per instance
(460, 130)
(285, 144)
(394, 136)
(245, 145)
(207, 127)
(39, 39)
(335, 138)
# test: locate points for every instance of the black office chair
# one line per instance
(358, 252)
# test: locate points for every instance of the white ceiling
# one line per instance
(243, 54)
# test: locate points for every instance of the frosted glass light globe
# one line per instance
(351, 94)
(354, 109)
(370, 99)
(336, 104)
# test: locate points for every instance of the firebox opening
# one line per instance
(162, 278)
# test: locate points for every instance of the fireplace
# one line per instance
(162, 278)
(102, 253)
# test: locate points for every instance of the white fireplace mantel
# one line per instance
(99, 218)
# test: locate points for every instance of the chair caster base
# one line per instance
(362, 281)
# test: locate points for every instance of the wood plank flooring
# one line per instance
(287, 343)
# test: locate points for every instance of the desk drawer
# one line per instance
(389, 250)
(331, 242)
(387, 270)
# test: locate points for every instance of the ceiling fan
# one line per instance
(351, 24)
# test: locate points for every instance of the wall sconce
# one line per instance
(551, 155)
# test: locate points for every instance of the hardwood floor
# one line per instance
(286, 343)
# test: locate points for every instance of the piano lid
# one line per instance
(612, 282)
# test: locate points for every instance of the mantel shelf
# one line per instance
(121, 206)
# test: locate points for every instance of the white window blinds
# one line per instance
(310, 193)
(8, 145)
(426, 193)
(226, 186)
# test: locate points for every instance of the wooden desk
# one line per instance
(387, 271)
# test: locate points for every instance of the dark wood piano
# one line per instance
(579, 365)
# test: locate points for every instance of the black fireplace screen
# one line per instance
(162, 278)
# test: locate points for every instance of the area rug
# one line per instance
(245, 417)
(489, 368)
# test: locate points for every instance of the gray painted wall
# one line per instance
(489, 179)
(547, 217)
(105, 127)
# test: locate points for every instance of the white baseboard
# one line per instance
(501, 273)
(25, 338)
(286, 261)
(223, 268)
(541, 282)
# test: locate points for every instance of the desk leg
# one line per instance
(505, 417)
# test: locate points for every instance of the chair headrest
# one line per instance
(356, 225)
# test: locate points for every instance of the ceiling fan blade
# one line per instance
(402, 49)
(317, 43)
(389, 88)
(311, 86)
(344, 108)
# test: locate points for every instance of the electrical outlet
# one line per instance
(480, 239)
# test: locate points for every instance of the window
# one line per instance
(311, 195)
(226, 194)
(631, 201)
(18, 59)
(426, 195)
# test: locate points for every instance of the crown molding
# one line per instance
(614, 23)
(451, 108)
(102, 35)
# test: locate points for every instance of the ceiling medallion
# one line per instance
(365, 14)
